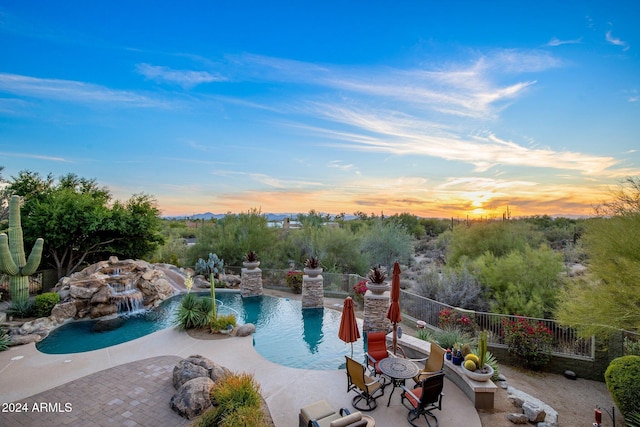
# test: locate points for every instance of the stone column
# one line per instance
(375, 312)
(251, 282)
(312, 291)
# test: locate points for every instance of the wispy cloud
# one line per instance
(557, 42)
(73, 91)
(616, 41)
(36, 156)
(338, 164)
(466, 90)
(184, 78)
(389, 132)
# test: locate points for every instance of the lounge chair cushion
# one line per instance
(348, 420)
(317, 411)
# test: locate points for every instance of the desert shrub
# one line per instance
(223, 322)
(631, 347)
(449, 336)
(245, 416)
(449, 318)
(524, 282)
(21, 309)
(425, 334)
(460, 288)
(236, 396)
(193, 312)
(45, 302)
(497, 238)
(622, 382)
(530, 342)
(4, 340)
(294, 281)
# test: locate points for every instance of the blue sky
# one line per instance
(436, 108)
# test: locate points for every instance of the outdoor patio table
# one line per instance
(398, 370)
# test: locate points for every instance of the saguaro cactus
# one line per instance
(12, 256)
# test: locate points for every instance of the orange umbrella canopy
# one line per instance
(348, 331)
(393, 314)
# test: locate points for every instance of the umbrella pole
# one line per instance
(395, 337)
(352, 350)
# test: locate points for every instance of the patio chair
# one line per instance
(368, 389)
(433, 364)
(424, 399)
(376, 351)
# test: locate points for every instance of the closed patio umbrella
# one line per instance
(393, 314)
(348, 331)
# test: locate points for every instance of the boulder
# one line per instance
(518, 418)
(102, 310)
(65, 310)
(214, 371)
(23, 339)
(102, 296)
(534, 412)
(245, 330)
(82, 292)
(192, 398)
(185, 371)
(110, 324)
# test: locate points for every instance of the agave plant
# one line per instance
(312, 262)
(251, 256)
(193, 312)
(377, 275)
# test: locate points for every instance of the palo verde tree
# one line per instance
(12, 256)
(81, 225)
(607, 297)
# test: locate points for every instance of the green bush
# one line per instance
(223, 322)
(294, 281)
(4, 340)
(622, 382)
(45, 303)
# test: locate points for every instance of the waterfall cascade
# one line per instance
(127, 298)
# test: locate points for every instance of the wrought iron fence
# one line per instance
(566, 341)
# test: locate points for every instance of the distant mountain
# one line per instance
(209, 215)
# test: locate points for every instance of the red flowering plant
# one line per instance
(359, 289)
(530, 341)
(451, 318)
(294, 280)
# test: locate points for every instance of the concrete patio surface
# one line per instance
(130, 385)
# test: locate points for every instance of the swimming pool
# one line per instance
(285, 333)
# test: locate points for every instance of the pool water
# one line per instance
(285, 333)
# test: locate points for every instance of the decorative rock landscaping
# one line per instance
(107, 287)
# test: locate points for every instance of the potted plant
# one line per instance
(456, 355)
(251, 260)
(377, 281)
(312, 266)
(475, 365)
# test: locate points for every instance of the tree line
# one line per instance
(514, 266)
